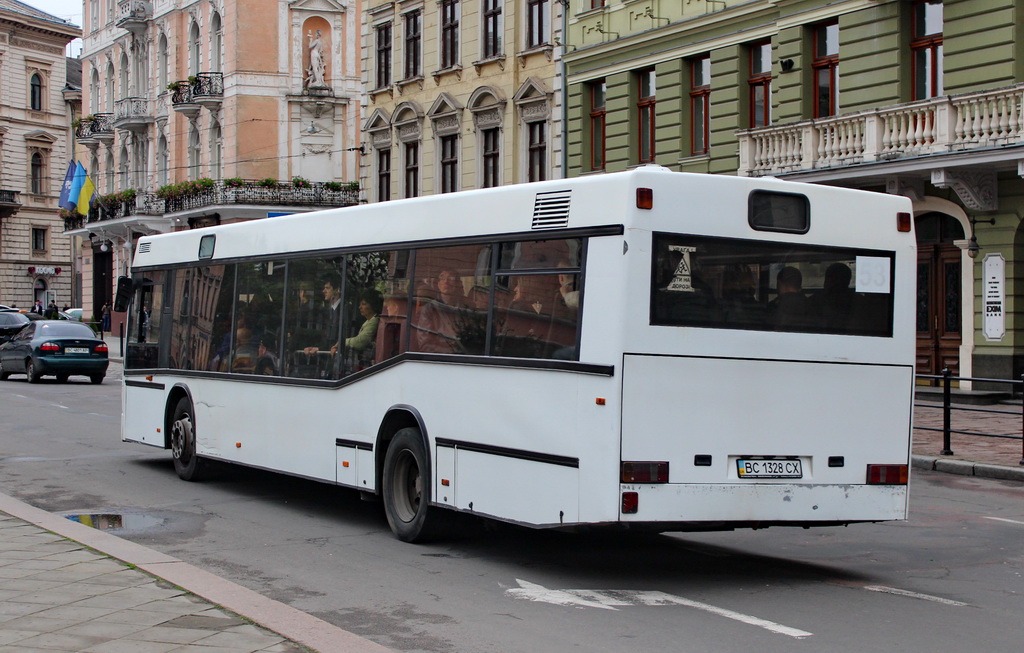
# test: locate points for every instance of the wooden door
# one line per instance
(939, 316)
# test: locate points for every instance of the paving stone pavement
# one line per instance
(58, 595)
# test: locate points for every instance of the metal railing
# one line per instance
(946, 378)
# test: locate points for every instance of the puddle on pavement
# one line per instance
(118, 521)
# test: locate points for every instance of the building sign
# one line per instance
(43, 270)
(994, 269)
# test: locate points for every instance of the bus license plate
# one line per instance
(76, 350)
(765, 468)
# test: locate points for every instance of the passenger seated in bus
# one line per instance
(369, 310)
(739, 298)
(836, 300)
(436, 323)
(791, 308)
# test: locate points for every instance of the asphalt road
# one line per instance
(948, 579)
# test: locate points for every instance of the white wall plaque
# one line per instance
(994, 269)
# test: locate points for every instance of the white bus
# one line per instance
(646, 349)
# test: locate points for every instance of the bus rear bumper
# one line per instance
(776, 503)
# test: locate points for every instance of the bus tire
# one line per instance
(407, 488)
(187, 464)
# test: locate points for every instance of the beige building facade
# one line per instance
(462, 94)
(35, 257)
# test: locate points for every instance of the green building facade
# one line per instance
(922, 98)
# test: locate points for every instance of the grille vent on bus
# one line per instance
(144, 248)
(551, 210)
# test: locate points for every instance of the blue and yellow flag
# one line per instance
(77, 181)
(65, 188)
(85, 196)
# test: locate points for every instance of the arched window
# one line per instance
(161, 161)
(124, 80)
(216, 40)
(109, 174)
(123, 169)
(36, 173)
(36, 92)
(193, 49)
(161, 63)
(94, 91)
(110, 87)
(193, 152)
(215, 150)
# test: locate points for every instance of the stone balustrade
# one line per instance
(936, 126)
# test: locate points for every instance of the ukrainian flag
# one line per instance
(85, 195)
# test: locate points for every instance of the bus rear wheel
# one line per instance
(183, 442)
(406, 488)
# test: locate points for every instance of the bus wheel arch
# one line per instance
(396, 419)
(180, 434)
(406, 482)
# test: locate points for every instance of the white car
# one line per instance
(74, 314)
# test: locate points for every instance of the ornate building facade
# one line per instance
(202, 112)
(462, 94)
(35, 257)
(917, 97)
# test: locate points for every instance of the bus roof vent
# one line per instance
(144, 248)
(551, 210)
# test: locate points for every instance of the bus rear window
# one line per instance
(786, 212)
(769, 286)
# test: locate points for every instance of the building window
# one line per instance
(596, 4)
(760, 83)
(38, 239)
(826, 70)
(412, 170)
(700, 104)
(492, 28)
(449, 33)
(492, 158)
(37, 174)
(413, 44)
(926, 46)
(383, 56)
(645, 101)
(449, 164)
(383, 175)
(536, 23)
(36, 92)
(598, 112)
(538, 156)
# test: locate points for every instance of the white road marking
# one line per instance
(913, 595)
(610, 599)
(1011, 521)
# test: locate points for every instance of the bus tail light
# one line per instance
(642, 472)
(888, 474)
(630, 503)
(644, 198)
(49, 346)
(903, 221)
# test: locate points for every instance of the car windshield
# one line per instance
(69, 329)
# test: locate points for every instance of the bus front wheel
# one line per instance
(407, 488)
(183, 442)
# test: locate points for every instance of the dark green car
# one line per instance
(54, 348)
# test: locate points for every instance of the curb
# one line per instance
(290, 623)
(968, 468)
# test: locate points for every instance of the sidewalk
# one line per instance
(68, 587)
(972, 455)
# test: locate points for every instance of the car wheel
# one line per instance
(96, 378)
(63, 378)
(407, 489)
(4, 374)
(183, 443)
(31, 372)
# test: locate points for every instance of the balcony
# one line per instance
(95, 130)
(133, 114)
(208, 89)
(133, 15)
(10, 203)
(190, 196)
(182, 100)
(986, 125)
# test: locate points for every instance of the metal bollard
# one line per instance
(946, 450)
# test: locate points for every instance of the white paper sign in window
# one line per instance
(873, 274)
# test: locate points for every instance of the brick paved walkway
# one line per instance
(998, 451)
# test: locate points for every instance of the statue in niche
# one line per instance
(317, 67)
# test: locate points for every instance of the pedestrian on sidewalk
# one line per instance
(105, 324)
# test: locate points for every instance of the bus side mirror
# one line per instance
(123, 296)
